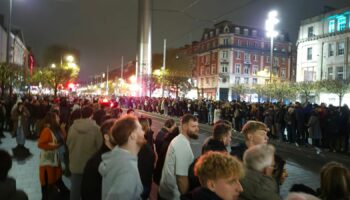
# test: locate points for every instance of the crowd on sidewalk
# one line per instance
(110, 154)
(305, 124)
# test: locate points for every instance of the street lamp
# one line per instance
(9, 46)
(70, 58)
(53, 65)
(271, 33)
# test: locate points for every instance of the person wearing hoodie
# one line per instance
(91, 184)
(119, 171)
(84, 139)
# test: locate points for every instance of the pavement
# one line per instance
(303, 163)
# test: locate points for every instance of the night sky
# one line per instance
(104, 30)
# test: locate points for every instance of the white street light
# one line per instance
(270, 24)
(70, 58)
(53, 65)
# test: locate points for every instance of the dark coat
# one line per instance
(146, 159)
(8, 190)
(238, 150)
(201, 193)
(91, 184)
(257, 186)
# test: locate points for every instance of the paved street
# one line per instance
(303, 164)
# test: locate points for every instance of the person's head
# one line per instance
(222, 132)
(335, 181)
(127, 133)
(130, 112)
(255, 133)
(190, 127)
(105, 129)
(170, 125)
(220, 173)
(144, 124)
(87, 112)
(5, 164)
(51, 120)
(260, 158)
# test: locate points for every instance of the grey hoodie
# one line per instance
(84, 139)
(120, 175)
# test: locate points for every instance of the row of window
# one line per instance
(332, 73)
(331, 50)
(238, 80)
(227, 30)
(247, 58)
(338, 24)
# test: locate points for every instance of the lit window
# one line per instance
(254, 33)
(341, 23)
(246, 31)
(255, 57)
(341, 48)
(331, 26)
(237, 30)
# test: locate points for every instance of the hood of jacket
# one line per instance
(110, 160)
(84, 125)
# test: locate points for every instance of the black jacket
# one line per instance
(91, 184)
(201, 193)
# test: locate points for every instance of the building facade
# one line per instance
(230, 54)
(323, 47)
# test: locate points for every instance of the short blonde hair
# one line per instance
(251, 126)
(216, 165)
(259, 157)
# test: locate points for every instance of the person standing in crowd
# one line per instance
(91, 184)
(20, 115)
(168, 127)
(146, 159)
(314, 128)
(8, 190)
(84, 139)
(50, 171)
(220, 140)
(217, 113)
(259, 183)
(121, 163)
(2, 118)
(174, 180)
(219, 175)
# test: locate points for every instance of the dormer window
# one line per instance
(226, 29)
(237, 30)
(211, 34)
(217, 31)
(246, 31)
(205, 36)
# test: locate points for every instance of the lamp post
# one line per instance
(271, 33)
(9, 46)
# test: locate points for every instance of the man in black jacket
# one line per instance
(91, 186)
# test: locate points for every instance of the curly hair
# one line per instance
(216, 165)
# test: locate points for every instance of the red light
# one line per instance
(105, 100)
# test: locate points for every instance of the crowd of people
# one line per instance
(110, 154)
(305, 124)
